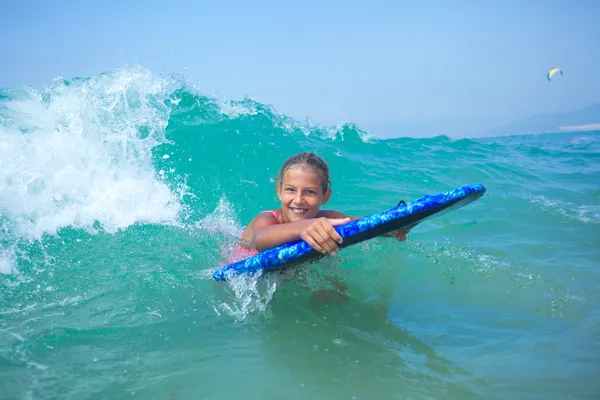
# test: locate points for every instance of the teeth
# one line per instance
(297, 210)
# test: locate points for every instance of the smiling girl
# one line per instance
(303, 186)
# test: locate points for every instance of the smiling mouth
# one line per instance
(298, 211)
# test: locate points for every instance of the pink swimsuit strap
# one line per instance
(274, 215)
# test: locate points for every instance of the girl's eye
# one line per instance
(289, 189)
(310, 192)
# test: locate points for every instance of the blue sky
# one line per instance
(376, 63)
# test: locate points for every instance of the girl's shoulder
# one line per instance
(268, 215)
(264, 218)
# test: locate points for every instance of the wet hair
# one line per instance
(307, 160)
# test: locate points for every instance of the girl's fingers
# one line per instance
(330, 230)
(325, 240)
(313, 243)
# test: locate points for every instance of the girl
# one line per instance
(303, 185)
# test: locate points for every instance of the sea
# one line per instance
(121, 192)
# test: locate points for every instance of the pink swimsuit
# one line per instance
(239, 253)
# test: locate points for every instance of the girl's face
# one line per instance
(301, 194)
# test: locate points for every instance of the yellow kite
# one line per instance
(553, 71)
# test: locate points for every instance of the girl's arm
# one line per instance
(318, 232)
(267, 233)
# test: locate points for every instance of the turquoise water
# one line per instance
(119, 192)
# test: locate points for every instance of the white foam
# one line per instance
(80, 153)
(222, 220)
(235, 109)
(248, 106)
(7, 260)
(252, 295)
(584, 212)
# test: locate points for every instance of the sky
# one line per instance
(375, 63)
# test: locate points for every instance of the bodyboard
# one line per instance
(403, 216)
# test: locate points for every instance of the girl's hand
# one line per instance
(322, 236)
(399, 235)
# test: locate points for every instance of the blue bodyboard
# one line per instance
(404, 216)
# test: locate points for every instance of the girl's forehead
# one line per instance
(301, 173)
